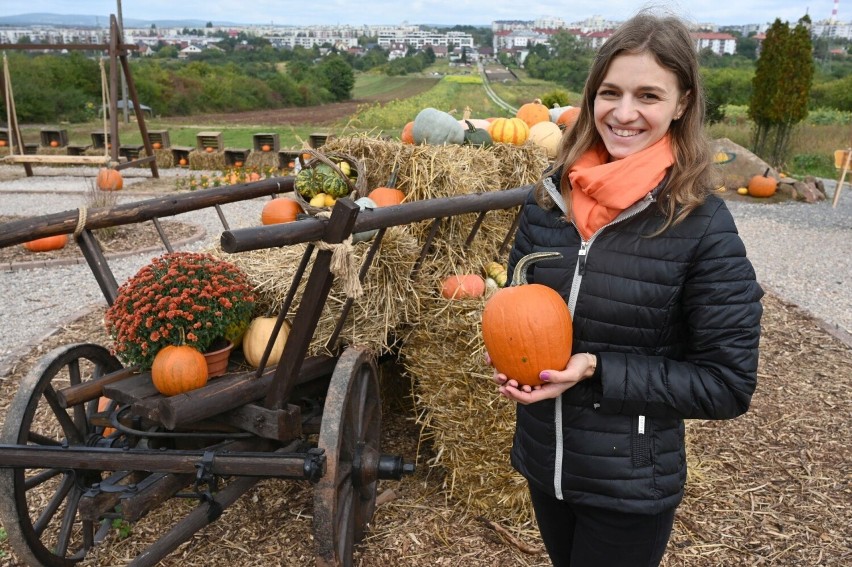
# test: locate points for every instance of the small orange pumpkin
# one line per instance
(178, 369)
(208, 149)
(156, 145)
(407, 136)
(533, 112)
(109, 179)
(386, 196)
(182, 161)
(3, 143)
(265, 147)
(54, 144)
(527, 328)
(47, 243)
(238, 164)
(103, 405)
(569, 117)
(509, 131)
(280, 210)
(762, 185)
(464, 286)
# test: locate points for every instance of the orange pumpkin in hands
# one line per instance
(527, 327)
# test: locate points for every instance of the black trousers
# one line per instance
(582, 536)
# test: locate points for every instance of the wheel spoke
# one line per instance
(40, 478)
(65, 422)
(37, 438)
(344, 521)
(68, 518)
(55, 502)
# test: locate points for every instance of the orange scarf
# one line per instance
(601, 189)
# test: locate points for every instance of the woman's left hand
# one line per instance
(554, 382)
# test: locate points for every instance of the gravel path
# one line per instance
(800, 253)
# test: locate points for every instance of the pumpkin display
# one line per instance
(474, 136)
(435, 127)
(109, 179)
(533, 112)
(569, 117)
(257, 337)
(526, 327)
(157, 145)
(546, 135)
(280, 210)
(47, 243)
(463, 286)
(509, 131)
(178, 369)
(762, 185)
(407, 136)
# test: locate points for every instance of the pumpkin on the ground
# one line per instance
(527, 328)
(762, 185)
(280, 210)
(463, 286)
(257, 337)
(533, 112)
(47, 243)
(109, 179)
(178, 369)
(509, 131)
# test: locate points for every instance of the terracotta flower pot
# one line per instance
(217, 360)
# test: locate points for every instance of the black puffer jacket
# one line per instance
(675, 322)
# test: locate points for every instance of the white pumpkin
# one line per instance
(436, 127)
(365, 203)
(546, 135)
(257, 336)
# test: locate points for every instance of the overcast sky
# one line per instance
(473, 12)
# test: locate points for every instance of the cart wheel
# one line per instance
(345, 497)
(38, 507)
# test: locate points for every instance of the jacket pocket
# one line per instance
(640, 442)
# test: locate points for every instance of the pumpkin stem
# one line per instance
(519, 277)
(470, 126)
(466, 115)
(766, 173)
(392, 179)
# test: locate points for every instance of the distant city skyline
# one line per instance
(442, 12)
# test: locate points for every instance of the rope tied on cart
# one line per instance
(343, 263)
(82, 213)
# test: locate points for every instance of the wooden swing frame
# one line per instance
(117, 53)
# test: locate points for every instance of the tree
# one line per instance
(781, 88)
(337, 77)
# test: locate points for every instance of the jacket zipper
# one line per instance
(579, 272)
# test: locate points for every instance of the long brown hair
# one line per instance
(692, 176)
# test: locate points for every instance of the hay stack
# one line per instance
(262, 161)
(163, 157)
(208, 161)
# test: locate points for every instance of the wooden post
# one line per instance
(837, 189)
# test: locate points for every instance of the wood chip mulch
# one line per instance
(773, 487)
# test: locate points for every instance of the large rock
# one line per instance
(743, 167)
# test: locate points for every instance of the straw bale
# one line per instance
(262, 160)
(206, 160)
(164, 157)
(375, 320)
(49, 151)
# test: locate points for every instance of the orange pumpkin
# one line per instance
(464, 286)
(762, 185)
(109, 179)
(156, 145)
(238, 164)
(533, 112)
(527, 328)
(3, 143)
(103, 405)
(54, 144)
(182, 161)
(407, 135)
(280, 210)
(47, 243)
(509, 131)
(386, 196)
(208, 149)
(178, 369)
(569, 117)
(265, 147)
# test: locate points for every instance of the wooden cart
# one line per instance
(69, 469)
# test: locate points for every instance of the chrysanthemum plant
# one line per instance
(203, 296)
